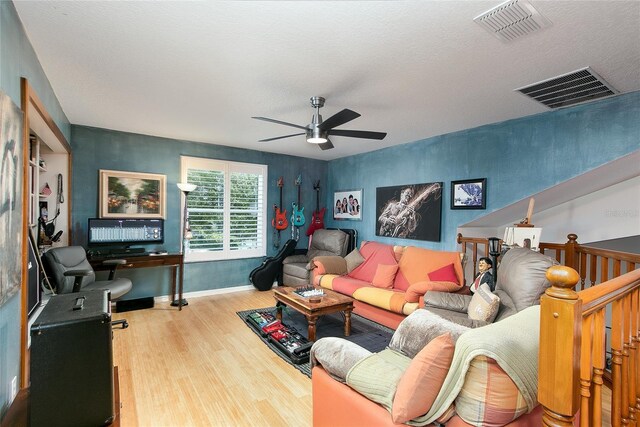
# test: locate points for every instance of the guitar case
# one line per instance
(263, 276)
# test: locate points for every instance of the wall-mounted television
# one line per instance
(129, 231)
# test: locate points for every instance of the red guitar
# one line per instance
(280, 221)
(317, 219)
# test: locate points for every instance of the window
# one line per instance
(227, 211)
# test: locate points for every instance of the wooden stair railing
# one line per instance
(571, 355)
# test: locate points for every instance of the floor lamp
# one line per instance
(186, 188)
(494, 251)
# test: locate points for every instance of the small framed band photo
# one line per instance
(469, 194)
(347, 204)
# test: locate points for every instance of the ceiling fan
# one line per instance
(318, 131)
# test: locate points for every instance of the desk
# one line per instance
(169, 260)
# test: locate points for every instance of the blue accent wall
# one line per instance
(95, 149)
(18, 59)
(518, 157)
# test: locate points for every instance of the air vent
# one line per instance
(512, 19)
(568, 89)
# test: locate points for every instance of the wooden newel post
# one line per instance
(570, 251)
(560, 333)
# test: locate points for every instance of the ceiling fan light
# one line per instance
(316, 136)
(317, 140)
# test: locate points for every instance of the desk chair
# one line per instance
(69, 271)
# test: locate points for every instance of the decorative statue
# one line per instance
(485, 275)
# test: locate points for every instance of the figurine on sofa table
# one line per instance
(485, 275)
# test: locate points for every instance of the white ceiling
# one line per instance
(198, 70)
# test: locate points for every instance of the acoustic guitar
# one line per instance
(317, 218)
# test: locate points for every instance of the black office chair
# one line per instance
(69, 271)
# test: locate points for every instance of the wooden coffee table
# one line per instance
(331, 302)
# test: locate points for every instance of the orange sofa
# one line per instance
(391, 281)
(337, 404)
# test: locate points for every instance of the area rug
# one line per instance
(370, 335)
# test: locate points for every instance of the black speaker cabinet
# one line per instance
(72, 362)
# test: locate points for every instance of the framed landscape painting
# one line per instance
(347, 204)
(132, 194)
(469, 194)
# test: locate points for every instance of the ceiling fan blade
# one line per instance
(281, 137)
(280, 122)
(326, 146)
(338, 119)
(358, 133)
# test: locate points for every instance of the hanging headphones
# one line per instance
(48, 227)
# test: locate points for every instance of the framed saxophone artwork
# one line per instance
(409, 211)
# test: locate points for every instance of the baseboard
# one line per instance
(208, 292)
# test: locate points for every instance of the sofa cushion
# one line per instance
(387, 299)
(374, 254)
(418, 329)
(484, 304)
(444, 274)
(419, 289)
(328, 242)
(353, 260)
(447, 301)
(384, 276)
(345, 285)
(489, 397)
(421, 382)
(296, 269)
(416, 263)
(376, 376)
(522, 275)
(337, 356)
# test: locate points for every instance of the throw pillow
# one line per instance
(484, 304)
(384, 276)
(444, 274)
(418, 289)
(354, 259)
(489, 397)
(421, 382)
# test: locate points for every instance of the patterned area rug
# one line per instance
(370, 335)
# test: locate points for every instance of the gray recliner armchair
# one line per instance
(69, 271)
(296, 268)
(521, 282)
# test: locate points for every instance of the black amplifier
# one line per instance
(72, 361)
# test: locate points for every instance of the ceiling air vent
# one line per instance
(512, 19)
(568, 89)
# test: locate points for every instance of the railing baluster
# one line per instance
(593, 261)
(635, 328)
(628, 410)
(616, 362)
(598, 367)
(583, 269)
(616, 268)
(585, 371)
(604, 269)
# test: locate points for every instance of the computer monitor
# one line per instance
(125, 231)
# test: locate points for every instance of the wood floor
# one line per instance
(203, 367)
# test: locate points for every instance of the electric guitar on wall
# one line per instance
(317, 219)
(279, 222)
(297, 216)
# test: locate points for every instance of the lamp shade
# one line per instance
(494, 246)
(186, 187)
